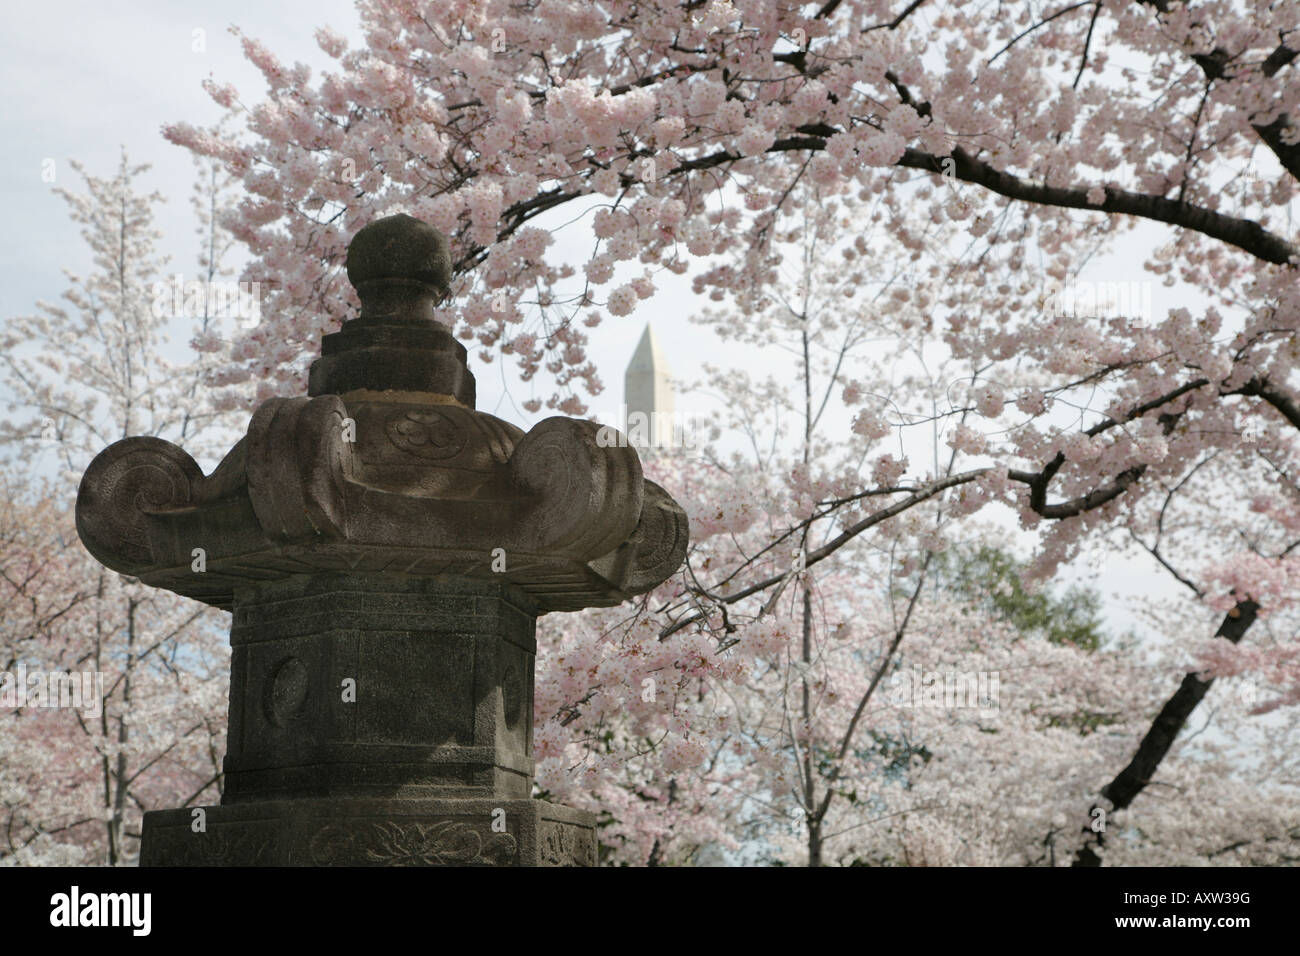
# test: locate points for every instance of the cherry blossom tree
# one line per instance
(676, 131)
(678, 126)
(149, 730)
(795, 735)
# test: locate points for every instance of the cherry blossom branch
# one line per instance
(893, 24)
(1154, 548)
(871, 688)
(1038, 481)
(1214, 65)
(1087, 43)
(1245, 234)
(1285, 404)
(1042, 23)
(847, 535)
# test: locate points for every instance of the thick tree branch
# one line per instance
(1285, 403)
(1245, 234)
(1164, 730)
(1038, 481)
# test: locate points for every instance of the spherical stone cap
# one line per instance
(400, 247)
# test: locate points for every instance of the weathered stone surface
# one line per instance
(401, 269)
(369, 832)
(442, 692)
(381, 534)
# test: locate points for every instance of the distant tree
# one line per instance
(82, 374)
(993, 579)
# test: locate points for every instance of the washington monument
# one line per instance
(648, 394)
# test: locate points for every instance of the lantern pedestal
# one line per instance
(372, 832)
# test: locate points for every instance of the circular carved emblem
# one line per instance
(426, 433)
(286, 691)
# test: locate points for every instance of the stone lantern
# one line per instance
(385, 550)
